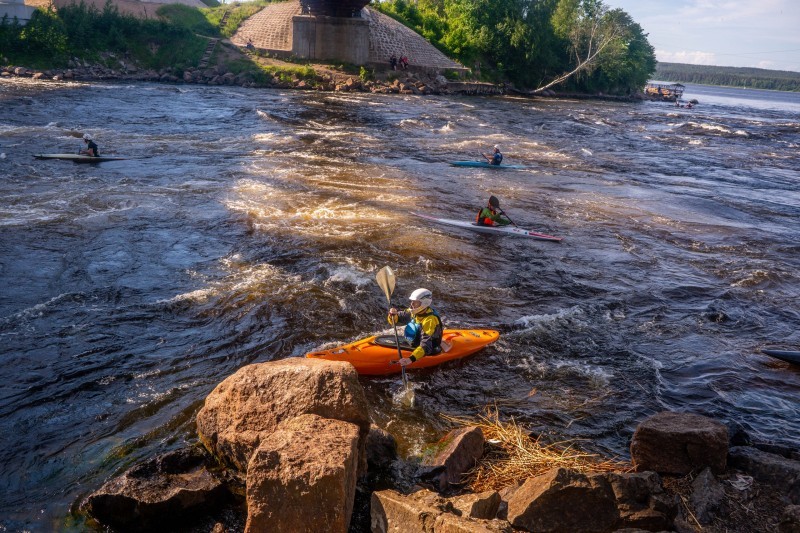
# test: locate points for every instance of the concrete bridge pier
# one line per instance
(339, 38)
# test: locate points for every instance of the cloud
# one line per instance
(693, 57)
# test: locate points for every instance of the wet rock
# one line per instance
(168, 489)
(381, 449)
(678, 443)
(460, 450)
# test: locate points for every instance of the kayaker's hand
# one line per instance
(405, 361)
(393, 315)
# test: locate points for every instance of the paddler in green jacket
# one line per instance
(492, 214)
(423, 326)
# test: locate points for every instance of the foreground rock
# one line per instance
(565, 500)
(166, 490)
(302, 477)
(460, 450)
(247, 407)
(425, 511)
(769, 468)
(679, 443)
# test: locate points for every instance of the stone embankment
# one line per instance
(401, 83)
(292, 440)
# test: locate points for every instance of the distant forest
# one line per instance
(751, 78)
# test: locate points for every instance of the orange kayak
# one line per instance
(377, 355)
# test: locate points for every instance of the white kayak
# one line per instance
(79, 158)
(496, 230)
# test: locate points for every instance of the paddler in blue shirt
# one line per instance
(492, 214)
(91, 147)
(496, 157)
(424, 328)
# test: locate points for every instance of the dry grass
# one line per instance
(515, 456)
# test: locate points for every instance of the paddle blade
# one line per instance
(385, 279)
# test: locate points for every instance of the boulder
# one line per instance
(679, 443)
(563, 500)
(768, 468)
(424, 511)
(642, 501)
(458, 452)
(483, 505)
(165, 490)
(381, 449)
(302, 477)
(707, 496)
(248, 406)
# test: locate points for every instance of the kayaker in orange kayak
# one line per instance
(423, 326)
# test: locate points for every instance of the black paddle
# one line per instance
(508, 217)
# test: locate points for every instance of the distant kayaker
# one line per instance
(496, 158)
(492, 214)
(423, 326)
(91, 147)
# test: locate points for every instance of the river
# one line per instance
(248, 226)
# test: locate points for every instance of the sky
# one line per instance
(733, 33)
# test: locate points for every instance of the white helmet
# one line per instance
(424, 297)
(87, 137)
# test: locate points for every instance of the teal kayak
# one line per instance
(485, 164)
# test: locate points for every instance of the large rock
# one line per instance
(679, 443)
(768, 468)
(642, 501)
(168, 489)
(246, 407)
(483, 505)
(381, 449)
(707, 496)
(302, 477)
(424, 511)
(460, 450)
(563, 500)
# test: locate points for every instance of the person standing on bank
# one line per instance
(492, 214)
(91, 147)
(424, 327)
(496, 158)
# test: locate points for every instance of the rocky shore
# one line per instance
(408, 83)
(288, 446)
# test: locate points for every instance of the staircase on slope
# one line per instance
(212, 42)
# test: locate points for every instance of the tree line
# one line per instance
(572, 45)
(751, 78)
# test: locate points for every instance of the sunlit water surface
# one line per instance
(249, 226)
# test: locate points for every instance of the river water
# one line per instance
(249, 226)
